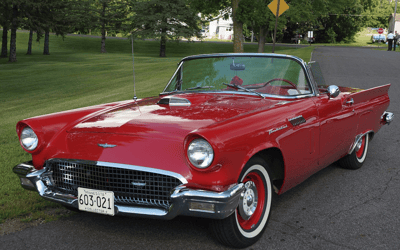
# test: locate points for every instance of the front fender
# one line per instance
(49, 126)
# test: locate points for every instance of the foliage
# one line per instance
(106, 16)
(41, 16)
(341, 27)
(329, 20)
(339, 20)
(332, 35)
(5, 22)
(217, 7)
(377, 13)
(172, 19)
(256, 15)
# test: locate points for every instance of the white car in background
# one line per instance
(378, 38)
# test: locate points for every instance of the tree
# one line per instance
(341, 21)
(13, 40)
(238, 38)
(258, 17)
(30, 20)
(210, 8)
(376, 13)
(5, 20)
(104, 15)
(171, 19)
(52, 15)
(331, 20)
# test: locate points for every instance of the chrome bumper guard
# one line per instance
(185, 201)
(387, 117)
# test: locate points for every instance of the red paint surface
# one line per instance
(238, 126)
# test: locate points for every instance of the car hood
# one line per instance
(159, 118)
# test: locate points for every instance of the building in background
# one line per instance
(221, 29)
(394, 25)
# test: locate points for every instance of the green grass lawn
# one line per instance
(75, 75)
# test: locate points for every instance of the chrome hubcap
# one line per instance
(248, 200)
(358, 145)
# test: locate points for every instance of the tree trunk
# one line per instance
(238, 38)
(103, 41)
(13, 41)
(103, 29)
(46, 50)
(4, 51)
(261, 40)
(29, 52)
(163, 44)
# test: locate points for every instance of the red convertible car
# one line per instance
(227, 133)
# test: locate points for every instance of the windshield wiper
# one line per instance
(201, 87)
(242, 88)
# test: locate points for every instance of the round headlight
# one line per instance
(200, 153)
(29, 139)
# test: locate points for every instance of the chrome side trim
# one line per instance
(106, 145)
(357, 139)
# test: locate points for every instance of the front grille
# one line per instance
(130, 186)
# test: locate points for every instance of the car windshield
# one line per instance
(281, 76)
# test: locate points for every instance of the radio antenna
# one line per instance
(133, 65)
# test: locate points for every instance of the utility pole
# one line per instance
(394, 21)
(276, 26)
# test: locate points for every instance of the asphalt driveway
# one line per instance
(333, 209)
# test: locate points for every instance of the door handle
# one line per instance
(350, 102)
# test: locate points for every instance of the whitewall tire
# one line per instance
(246, 225)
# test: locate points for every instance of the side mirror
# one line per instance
(333, 91)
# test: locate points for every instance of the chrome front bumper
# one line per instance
(184, 201)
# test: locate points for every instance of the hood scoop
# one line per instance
(174, 102)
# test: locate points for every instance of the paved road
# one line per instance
(333, 209)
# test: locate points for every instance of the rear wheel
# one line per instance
(356, 159)
(246, 225)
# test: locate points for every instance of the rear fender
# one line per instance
(369, 94)
(369, 106)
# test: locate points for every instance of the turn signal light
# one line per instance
(201, 207)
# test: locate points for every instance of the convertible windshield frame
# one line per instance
(178, 75)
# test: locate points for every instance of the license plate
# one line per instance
(96, 201)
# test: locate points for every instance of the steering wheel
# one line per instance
(283, 80)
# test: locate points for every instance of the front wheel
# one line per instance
(246, 225)
(356, 159)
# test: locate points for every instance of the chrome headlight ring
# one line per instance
(200, 153)
(29, 139)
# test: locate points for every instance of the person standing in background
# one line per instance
(395, 39)
(390, 37)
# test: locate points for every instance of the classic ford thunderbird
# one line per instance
(228, 132)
